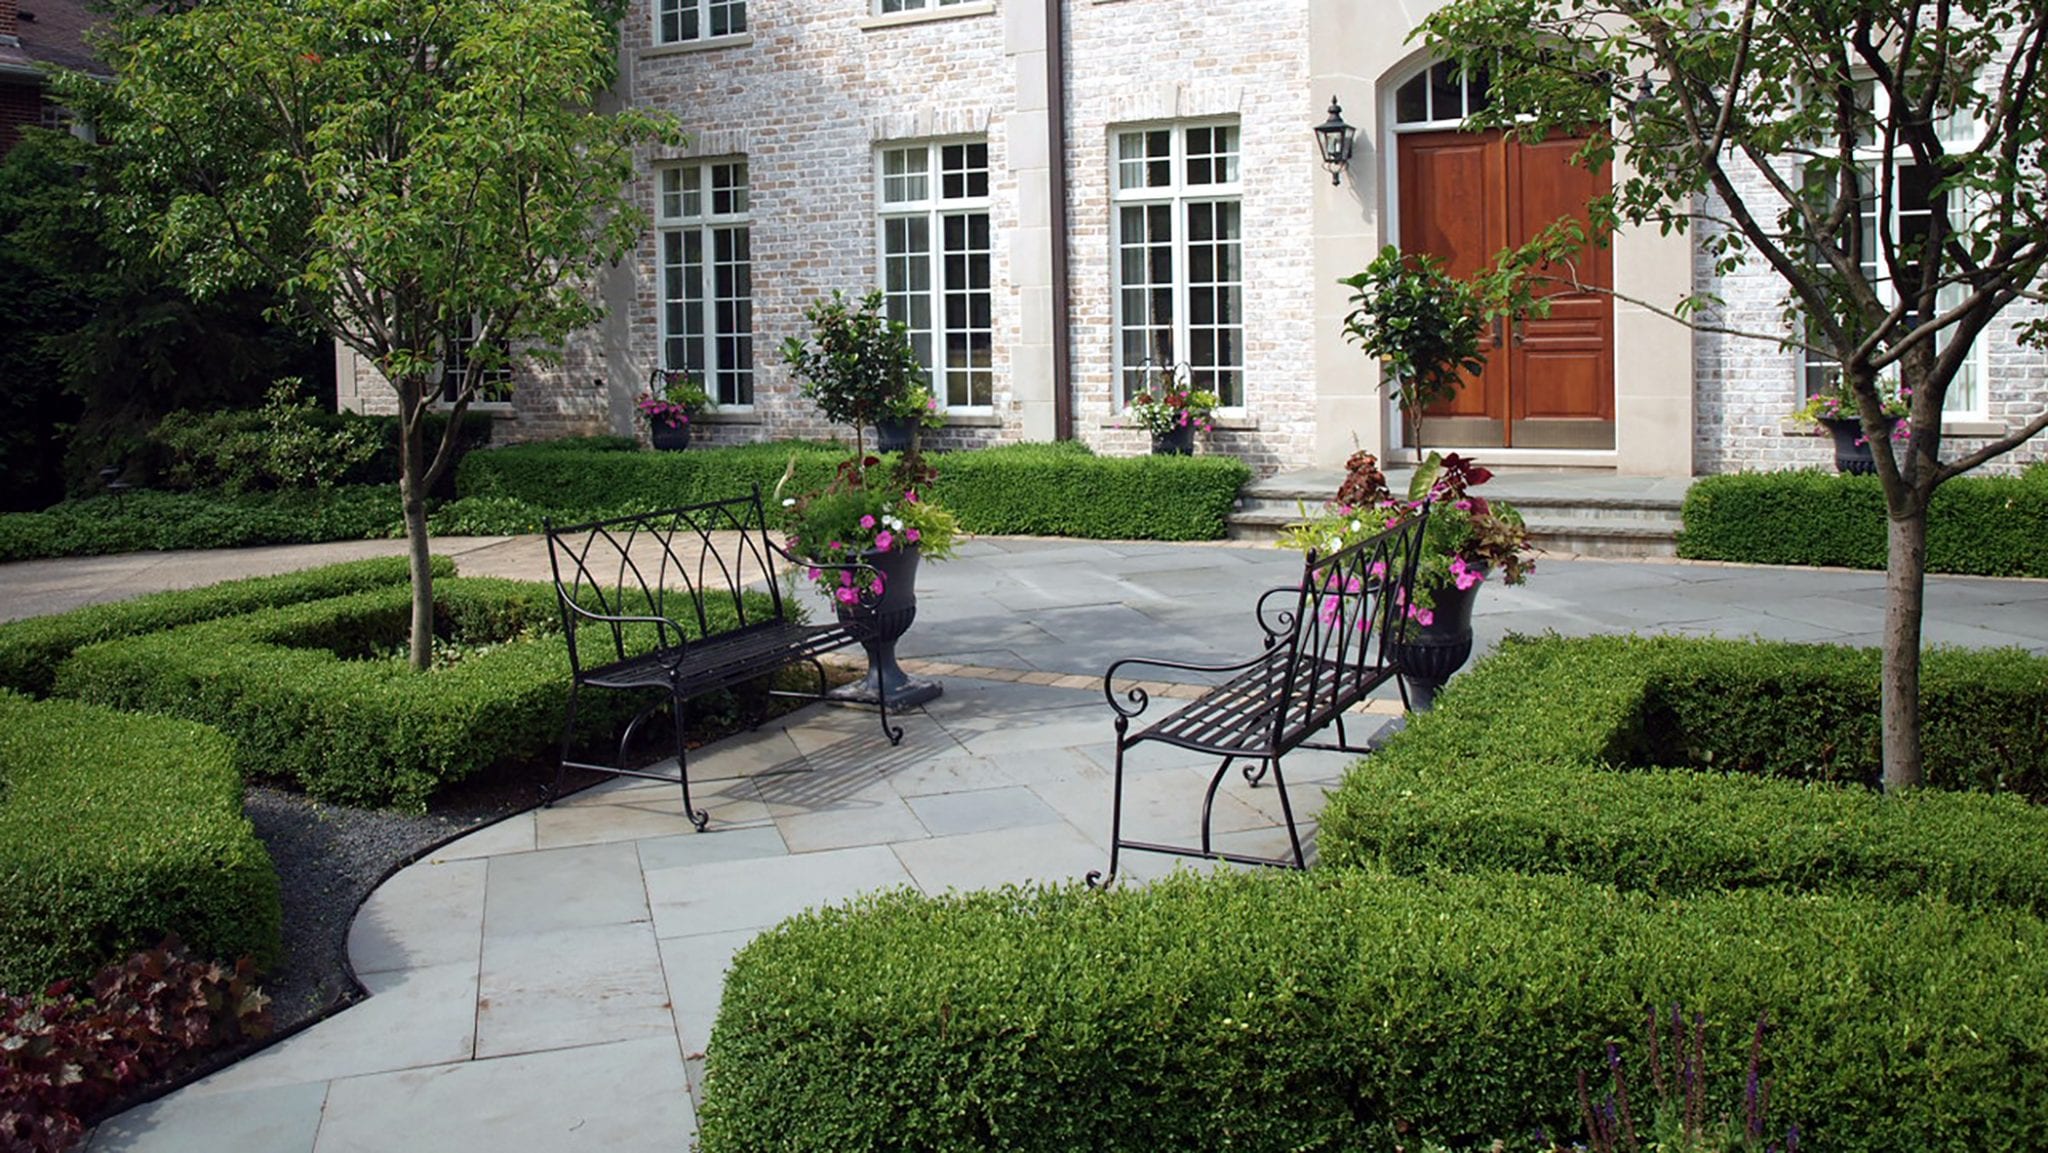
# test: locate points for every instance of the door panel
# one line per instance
(1451, 208)
(1550, 382)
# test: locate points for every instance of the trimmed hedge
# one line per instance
(313, 693)
(115, 830)
(149, 520)
(1046, 489)
(31, 649)
(1989, 526)
(1346, 1010)
(1583, 756)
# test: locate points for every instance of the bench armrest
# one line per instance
(619, 621)
(1137, 696)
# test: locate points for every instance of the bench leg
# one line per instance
(553, 793)
(697, 817)
(1096, 878)
(1287, 811)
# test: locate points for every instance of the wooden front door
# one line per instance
(1548, 381)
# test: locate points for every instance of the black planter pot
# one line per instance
(1432, 652)
(670, 439)
(894, 435)
(885, 624)
(1179, 442)
(1852, 452)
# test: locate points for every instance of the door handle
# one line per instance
(1521, 337)
(1496, 332)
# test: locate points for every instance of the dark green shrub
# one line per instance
(142, 521)
(241, 450)
(1989, 526)
(1054, 490)
(1037, 489)
(1543, 758)
(31, 650)
(115, 830)
(318, 693)
(1346, 1010)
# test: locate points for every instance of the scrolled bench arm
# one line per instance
(1136, 694)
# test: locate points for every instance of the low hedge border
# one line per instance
(1048, 489)
(31, 649)
(1345, 1010)
(1988, 526)
(308, 693)
(1584, 756)
(144, 521)
(118, 829)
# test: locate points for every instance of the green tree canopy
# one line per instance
(400, 170)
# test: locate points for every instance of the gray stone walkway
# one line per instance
(549, 983)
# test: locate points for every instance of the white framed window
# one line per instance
(889, 7)
(458, 348)
(936, 270)
(1440, 96)
(681, 21)
(1179, 239)
(707, 276)
(1907, 221)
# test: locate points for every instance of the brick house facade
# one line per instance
(42, 32)
(1179, 179)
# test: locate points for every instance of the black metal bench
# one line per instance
(667, 594)
(1329, 642)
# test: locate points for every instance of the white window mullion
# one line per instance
(706, 277)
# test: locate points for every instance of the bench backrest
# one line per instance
(692, 566)
(1350, 612)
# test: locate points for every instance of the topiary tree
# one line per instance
(1887, 160)
(1422, 324)
(857, 364)
(401, 171)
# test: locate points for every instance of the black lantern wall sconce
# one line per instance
(1333, 141)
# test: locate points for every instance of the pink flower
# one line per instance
(815, 574)
(876, 587)
(867, 521)
(1465, 575)
(885, 540)
(846, 596)
(1421, 616)
(910, 534)
(1377, 568)
(910, 495)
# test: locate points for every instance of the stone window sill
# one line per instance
(973, 420)
(927, 15)
(723, 416)
(1966, 429)
(707, 44)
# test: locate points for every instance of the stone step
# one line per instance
(1591, 526)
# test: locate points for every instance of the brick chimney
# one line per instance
(10, 19)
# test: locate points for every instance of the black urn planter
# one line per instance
(883, 625)
(894, 435)
(1180, 441)
(1852, 451)
(1430, 653)
(670, 438)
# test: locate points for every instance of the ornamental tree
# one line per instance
(1886, 159)
(401, 171)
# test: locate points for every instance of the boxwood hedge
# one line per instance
(31, 649)
(1586, 755)
(1342, 1009)
(142, 521)
(319, 694)
(1047, 489)
(115, 830)
(1990, 526)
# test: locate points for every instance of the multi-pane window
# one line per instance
(1907, 222)
(679, 21)
(935, 263)
(1442, 95)
(1180, 256)
(885, 7)
(458, 349)
(707, 289)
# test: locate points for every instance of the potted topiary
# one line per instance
(900, 429)
(1423, 326)
(857, 365)
(672, 400)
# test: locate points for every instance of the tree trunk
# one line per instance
(412, 495)
(1905, 587)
